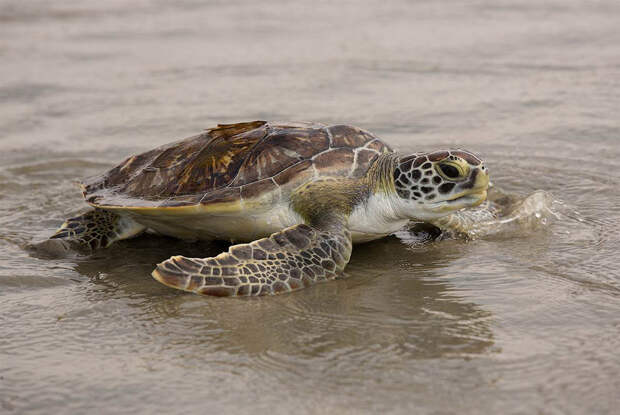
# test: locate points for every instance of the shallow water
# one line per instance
(526, 320)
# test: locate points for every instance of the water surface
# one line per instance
(522, 321)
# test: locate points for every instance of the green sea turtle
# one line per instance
(302, 192)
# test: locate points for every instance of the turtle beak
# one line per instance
(473, 192)
(481, 181)
(480, 185)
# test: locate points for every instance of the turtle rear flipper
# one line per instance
(97, 228)
(288, 260)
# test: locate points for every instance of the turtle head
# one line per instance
(432, 185)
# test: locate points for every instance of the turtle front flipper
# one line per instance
(288, 260)
(97, 228)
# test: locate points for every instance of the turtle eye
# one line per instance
(450, 171)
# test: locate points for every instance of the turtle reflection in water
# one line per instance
(300, 193)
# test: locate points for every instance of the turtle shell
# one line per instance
(233, 161)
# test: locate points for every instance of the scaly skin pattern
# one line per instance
(294, 258)
(96, 229)
(417, 179)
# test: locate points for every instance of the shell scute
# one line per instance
(181, 201)
(225, 195)
(348, 136)
(338, 161)
(364, 159)
(378, 146)
(279, 151)
(256, 189)
(215, 165)
(293, 172)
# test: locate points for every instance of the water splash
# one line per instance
(503, 215)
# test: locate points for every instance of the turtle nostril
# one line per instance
(450, 171)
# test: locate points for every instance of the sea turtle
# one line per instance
(302, 192)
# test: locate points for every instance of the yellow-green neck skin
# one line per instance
(327, 200)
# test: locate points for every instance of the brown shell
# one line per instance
(233, 161)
